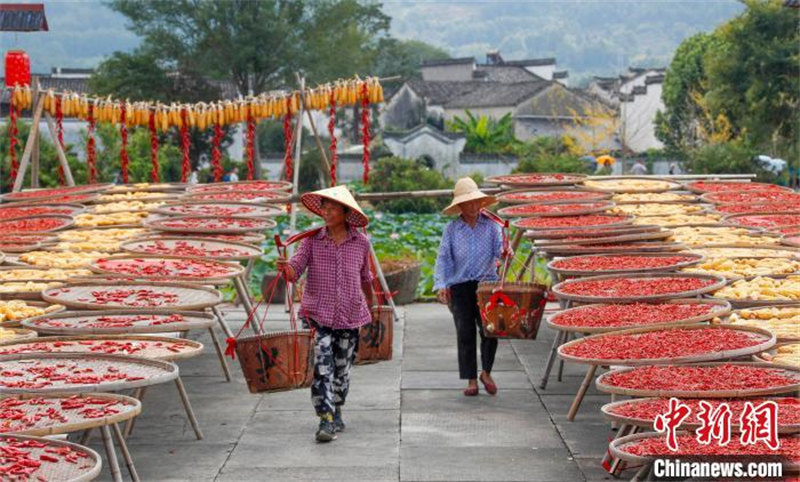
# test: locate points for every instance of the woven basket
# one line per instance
(277, 361)
(375, 338)
(518, 319)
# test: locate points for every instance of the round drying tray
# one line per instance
(20, 334)
(717, 282)
(532, 180)
(186, 247)
(144, 346)
(555, 210)
(148, 187)
(592, 231)
(75, 412)
(525, 196)
(767, 357)
(616, 449)
(56, 223)
(119, 322)
(576, 250)
(127, 294)
(151, 197)
(606, 185)
(16, 323)
(781, 339)
(211, 224)
(81, 372)
(733, 219)
(22, 210)
(721, 186)
(167, 268)
(584, 222)
(752, 197)
(218, 209)
(625, 238)
(85, 464)
(49, 194)
(259, 197)
(609, 413)
(751, 303)
(257, 185)
(766, 340)
(18, 248)
(791, 385)
(694, 259)
(253, 239)
(721, 308)
(26, 289)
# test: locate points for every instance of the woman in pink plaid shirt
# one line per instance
(338, 285)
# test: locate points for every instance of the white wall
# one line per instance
(543, 71)
(637, 128)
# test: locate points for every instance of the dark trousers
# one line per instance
(334, 353)
(467, 317)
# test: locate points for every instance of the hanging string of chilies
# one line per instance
(202, 115)
(60, 137)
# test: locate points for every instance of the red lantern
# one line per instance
(18, 68)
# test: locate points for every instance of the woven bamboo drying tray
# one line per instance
(549, 179)
(71, 209)
(692, 186)
(591, 231)
(158, 197)
(781, 339)
(696, 259)
(588, 196)
(714, 198)
(45, 194)
(761, 358)
(258, 197)
(252, 239)
(614, 449)
(570, 250)
(766, 341)
(152, 347)
(38, 304)
(213, 249)
(259, 185)
(160, 225)
(672, 185)
(590, 207)
(26, 294)
(232, 269)
(753, 303)
(625, 238)
(753, 392)
(128, 407)
(92, 323)
(189, 208)
(619, 221)
(688, 201)
(189, 296)
(148, 187)
(62, 471)
(149, 372)
(731, 219)
(20, 334)
(723, 308)
(688, 424)
(66, 222)
(18, 248)
(718, 282)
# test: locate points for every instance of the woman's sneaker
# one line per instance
(326, 431)
(338, 423)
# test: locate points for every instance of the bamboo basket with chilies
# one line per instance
(510, 309)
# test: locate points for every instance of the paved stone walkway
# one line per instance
(407, 419)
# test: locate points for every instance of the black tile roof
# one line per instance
(461, 60)
(22, 17)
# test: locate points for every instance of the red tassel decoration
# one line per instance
(123, 150)
(230, 347)
(251, 146)
(288, 141)
(186, 165)
(91, 151)
(216, 154)
(332, 132)
(151, 124)
(365, 129)
(13, 132)
(60, 137)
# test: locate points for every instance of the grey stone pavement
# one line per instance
(407, 419)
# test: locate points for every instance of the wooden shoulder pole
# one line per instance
(32, 135)
(62, 157)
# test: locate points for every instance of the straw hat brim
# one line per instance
(453, 209)
(313, 202)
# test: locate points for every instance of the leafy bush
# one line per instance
(550, 154)
(485, 135)
(733, 157)
(391, 174)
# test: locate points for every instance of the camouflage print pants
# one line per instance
(334, 352)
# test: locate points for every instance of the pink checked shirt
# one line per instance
(332, 296)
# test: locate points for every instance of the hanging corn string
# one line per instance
(123, 149)
(332, 132)
(186, 164)
(251, 146)
(216, 154)
(60, 137)
(151, 125)
(365, 135)
(91, 152)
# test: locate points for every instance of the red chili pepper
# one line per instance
(688, 445)
(626, 287)
(788, 407)
(618, 262)
(755, 197)
(702, 378)
(628, 315)
(545, 196)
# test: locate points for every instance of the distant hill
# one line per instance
(588, 37)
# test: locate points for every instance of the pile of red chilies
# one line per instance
(753, 197)
(110, 347)
(570, 221)
(220, 223)
(755, 208)
(40, 375)
(768, 220)
(689, 446)
(208, 210)
(788, 408)
(540, 196)
(702, 378)
(18, 415)
(619, 262)
(634, 314)
(626, 287)
(32, 225)
(113, 321)
(551, 208)
(165, 267)
(19, 462)
(143, 297)
(8, 213)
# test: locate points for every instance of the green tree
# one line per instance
(549, 154)
(403, 57)
(485, 134)
(396, 174)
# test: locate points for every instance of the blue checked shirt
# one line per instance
(468, 254)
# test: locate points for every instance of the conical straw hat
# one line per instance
(313, 202)
(467, 190)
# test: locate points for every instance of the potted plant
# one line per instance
(402, 271)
